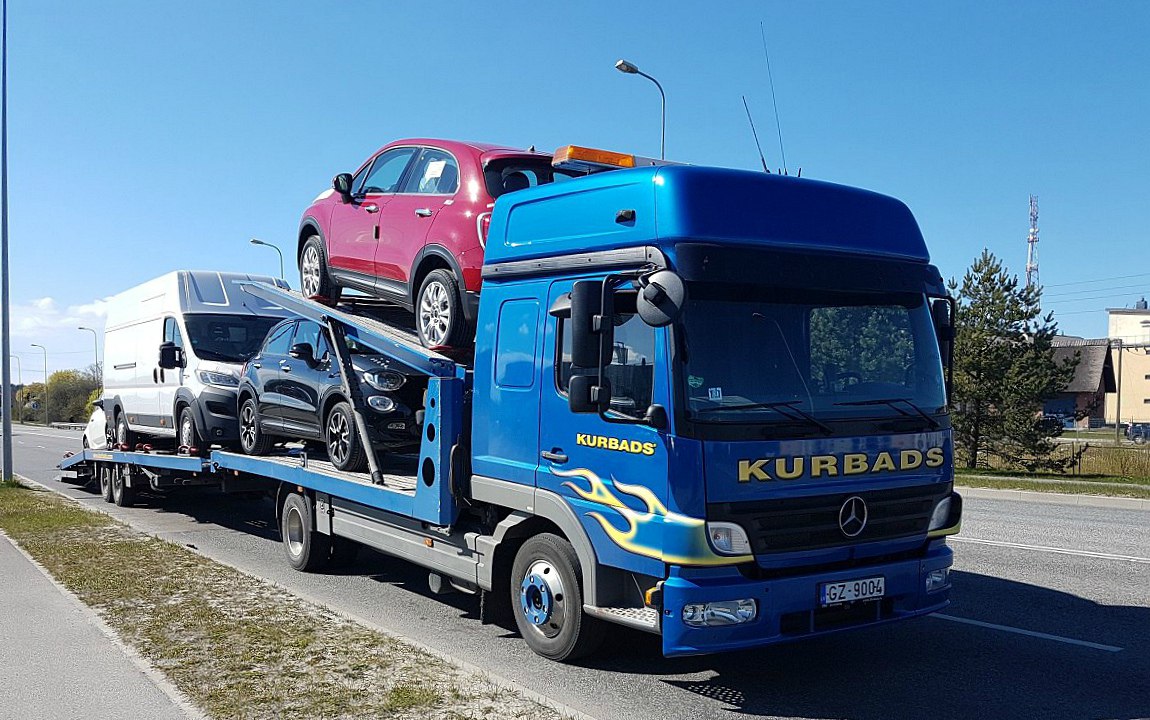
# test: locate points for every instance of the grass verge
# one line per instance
(237, 646)
(961, 472)
(1070, 487)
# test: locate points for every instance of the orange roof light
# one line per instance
(590, 159)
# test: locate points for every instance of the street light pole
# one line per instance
(257, 241)
(95, 346)
(625, 67)
(20, 382)
(5, 315)
(46, 396)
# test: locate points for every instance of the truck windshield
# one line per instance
(804, 362)
(227, 338)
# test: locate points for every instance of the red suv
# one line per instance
(410, 226)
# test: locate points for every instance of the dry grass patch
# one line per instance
(237, 646)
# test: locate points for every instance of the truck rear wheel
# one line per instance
(104, 475)
(306, 549)
(123, 494)
(547, 600)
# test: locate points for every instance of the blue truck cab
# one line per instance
(727, 391)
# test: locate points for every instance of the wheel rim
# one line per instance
(293, 531)
(541, 599)
(187, 432)
(434, 313)
(105, 483)
(248, 425)
(117, 484)
(309, 271)
(122, 432)
(338, 438)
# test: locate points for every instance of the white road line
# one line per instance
(1028, 633)
(1056, 550)
(71, 436)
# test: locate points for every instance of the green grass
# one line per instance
(237, 646)
(1071, 487)
(1117, 479)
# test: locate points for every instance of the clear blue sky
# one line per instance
(151, 136)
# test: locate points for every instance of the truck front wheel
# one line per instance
(306, 548)
(547, 600)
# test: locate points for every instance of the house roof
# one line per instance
(1095, 369)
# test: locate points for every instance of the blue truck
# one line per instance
(709, 404)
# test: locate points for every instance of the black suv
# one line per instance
(291, 390)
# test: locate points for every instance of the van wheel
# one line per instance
(123, 494)
(313, 275)
(306, 549)
(547, 599)
(189, 436)
(124, 434)
(253, 440)
(439, 312)
(344, 446)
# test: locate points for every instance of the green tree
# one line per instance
(1004, 369)
(68, 392)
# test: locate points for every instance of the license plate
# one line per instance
(837, 593)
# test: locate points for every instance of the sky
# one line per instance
(146, 137)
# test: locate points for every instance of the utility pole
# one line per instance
(6, 472)
(1118, 398)
(1032, 245)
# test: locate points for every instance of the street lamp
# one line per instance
(95, 345)
(257, 241)
(20, 382)
(625, 67)
(46, 398)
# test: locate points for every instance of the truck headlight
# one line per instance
(381, 403)
(937, 579)
(940, 514)
(728, 538)
(720, 612)
(384, 380)
(219, 379)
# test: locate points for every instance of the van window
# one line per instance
(172, 332)
(227, 338)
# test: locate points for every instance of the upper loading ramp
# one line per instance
(394, 342)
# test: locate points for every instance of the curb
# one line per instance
(496, 680)
(1102, 501)
(157, 678)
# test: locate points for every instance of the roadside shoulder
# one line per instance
(1053, 498)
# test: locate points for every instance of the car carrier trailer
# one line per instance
(708, 404)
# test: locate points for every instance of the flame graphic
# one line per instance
(653, 532)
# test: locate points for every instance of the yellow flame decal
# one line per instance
(650, 531)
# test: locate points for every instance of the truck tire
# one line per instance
(345, 449)
(314, 279)
(104, 476)
(306, 549)
(253, 440)
(124, 434)
(547, 600)
(189, 435)
(123, 495)
(439, 312)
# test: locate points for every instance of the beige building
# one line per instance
(1130, 339)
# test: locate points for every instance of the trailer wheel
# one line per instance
(104, 473)
(314, 279)
(547, 600)
(124, 434)
(123, 494)
(306, 549)
(344, 446)
(189, 435)
(439, 311)
(253, 440)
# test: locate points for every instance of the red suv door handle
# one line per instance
(423, 212)
(371, 208)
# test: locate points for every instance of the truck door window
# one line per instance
(632, 368)
(172, 332)
(435, 173)
(386, 172)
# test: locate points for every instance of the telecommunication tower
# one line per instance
(1032, 244)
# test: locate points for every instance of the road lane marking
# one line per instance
(1028, 633)
(70, 436)
(1056, 550)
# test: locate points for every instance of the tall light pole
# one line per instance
(625, 67)
(95, 346)
(20, 382)
(46, 398)
(257, 241)
(5, 319)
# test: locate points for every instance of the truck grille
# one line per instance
(812, 523)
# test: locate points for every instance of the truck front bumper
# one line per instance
(789, 608)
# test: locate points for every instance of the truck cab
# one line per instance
(728, 390)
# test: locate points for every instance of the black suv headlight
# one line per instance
(384, 380)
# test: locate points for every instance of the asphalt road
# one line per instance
(1050, 619)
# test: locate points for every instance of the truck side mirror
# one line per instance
(585, 395)
(342, 184)
(303, 351)
(941, 314)
(171, 356)
(661, 298)
(592, 326)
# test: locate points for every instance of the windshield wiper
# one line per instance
(891, 402)
(795, 414)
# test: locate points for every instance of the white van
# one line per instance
(173, 351)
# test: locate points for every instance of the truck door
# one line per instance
(169, 381)
(353, 230)
(614, 475)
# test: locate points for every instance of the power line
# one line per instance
(1090, 290)
(1105, 279)
(1089, 297)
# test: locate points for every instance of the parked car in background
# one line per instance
(410, 226)
(96, 433)
(291, 390)
(1138, 433)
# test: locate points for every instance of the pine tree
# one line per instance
(1004, 370)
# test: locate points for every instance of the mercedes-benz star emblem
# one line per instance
(852, 516)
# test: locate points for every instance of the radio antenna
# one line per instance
(762, 159)
(774, 102)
